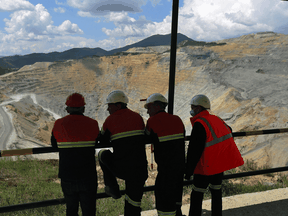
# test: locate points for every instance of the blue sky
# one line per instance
(33, 26)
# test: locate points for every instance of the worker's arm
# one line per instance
(195, 149)
(151, 137)
(104, 138)
(97, 140)
(53, 141)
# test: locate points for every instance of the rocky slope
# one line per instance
(245, 78)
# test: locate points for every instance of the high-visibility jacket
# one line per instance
(169, 145)
(123, 123)
(74, 131)
(124, 131)
(76, 137)
(220, 153)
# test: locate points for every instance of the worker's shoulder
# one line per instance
(176, 117)
(89, 120)
(165, 115)
(212, 119)
(80, 118)
(135, 114)
(123, 113)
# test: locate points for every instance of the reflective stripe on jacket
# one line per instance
(76, 144)
(167, 127)
(75, 136)
(167, 133)
(122, 124)
(127, 134)
(124, 131)
(74, 131)
(220, 153)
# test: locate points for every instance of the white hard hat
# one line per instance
(117, 96)
(155, 97)
(201, 100)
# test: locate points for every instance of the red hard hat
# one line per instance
(75, 100)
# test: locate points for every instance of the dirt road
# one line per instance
(267, 203)
(6, 129)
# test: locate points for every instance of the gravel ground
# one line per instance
(270, 203)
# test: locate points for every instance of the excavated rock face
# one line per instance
(246, 79)
(31, 121)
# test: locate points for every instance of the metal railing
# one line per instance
(45, 203)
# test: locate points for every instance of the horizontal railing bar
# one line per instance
(254, 133)
(256, 172)
(41, 150)
(25, 206)
(245, 174)
(46, 203)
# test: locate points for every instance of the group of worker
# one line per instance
(211, 151)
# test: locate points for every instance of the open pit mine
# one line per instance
(246, 79)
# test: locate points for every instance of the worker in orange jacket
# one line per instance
(167, 133)
(75, 136)
(211, 151)
(124, 131)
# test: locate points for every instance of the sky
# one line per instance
(43, 26)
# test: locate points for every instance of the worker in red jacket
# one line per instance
(211, 151)
(124, 131)
(167, 133)
(75, 136)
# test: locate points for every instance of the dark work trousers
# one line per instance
(200, 184)
(168, 192)
(134, 185)
(83, 191)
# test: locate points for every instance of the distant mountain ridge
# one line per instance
(19, 61)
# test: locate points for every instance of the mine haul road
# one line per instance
(6, 129)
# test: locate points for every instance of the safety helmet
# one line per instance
(116, 97)
(75, 100)
(155, 97)
(201, 100)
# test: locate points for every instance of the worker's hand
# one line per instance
(187, 177)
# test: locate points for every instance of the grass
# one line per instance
(25, 181)
(230, 189)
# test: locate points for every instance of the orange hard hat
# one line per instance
(75, 100)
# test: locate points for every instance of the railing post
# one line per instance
(173, 55)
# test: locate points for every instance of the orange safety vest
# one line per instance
(220, 153)
(74, 131)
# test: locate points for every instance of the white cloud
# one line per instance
(29, 25)
(129, 27)
(68, 28)
(14, 5)
(217, 19)
(155, 2)
(29, 21)
(207, 20)
(60, 10)
(59, 3)
(45, 44)
(103, 7)
(33, 31)
(85, 14)
(122, 18)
